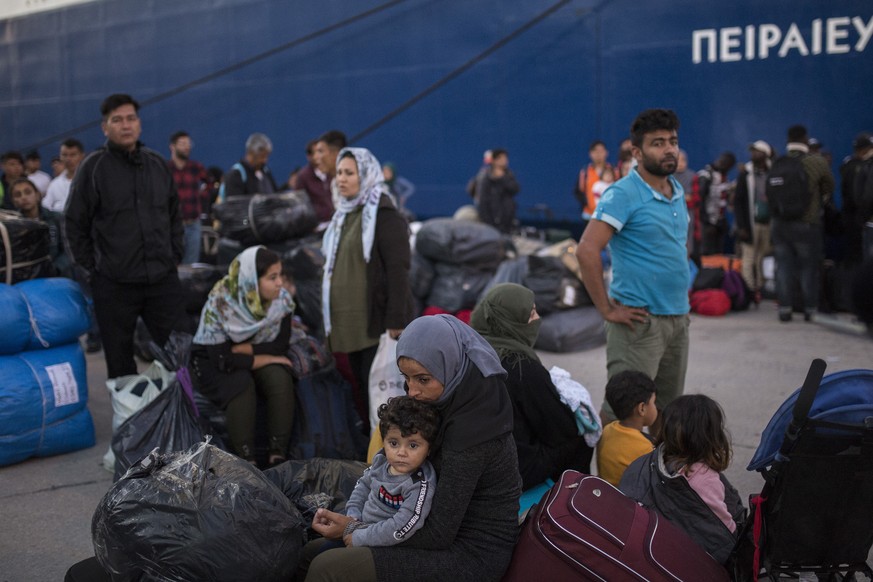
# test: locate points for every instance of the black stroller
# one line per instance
(815, 512)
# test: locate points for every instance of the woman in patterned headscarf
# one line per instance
(365, 290)
(239, 351)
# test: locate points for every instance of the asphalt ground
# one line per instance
(749, 362)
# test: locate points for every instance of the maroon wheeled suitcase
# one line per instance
(586, 529)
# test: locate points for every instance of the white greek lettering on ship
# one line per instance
(422, 494)
(831, 36)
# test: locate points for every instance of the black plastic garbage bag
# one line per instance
(317, 482)
(266, 218)
(171, 421)
(200, 514)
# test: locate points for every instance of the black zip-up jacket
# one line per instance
(122, 216)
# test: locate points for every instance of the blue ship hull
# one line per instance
(431, 84)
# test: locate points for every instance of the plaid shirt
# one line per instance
(189, 181)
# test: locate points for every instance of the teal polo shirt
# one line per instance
(649, 257)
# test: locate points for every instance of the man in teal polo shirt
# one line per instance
(643, 219)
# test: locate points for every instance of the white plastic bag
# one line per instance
(131, 394)
(385, 379)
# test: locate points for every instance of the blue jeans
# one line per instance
(192, 243)
(797, 248)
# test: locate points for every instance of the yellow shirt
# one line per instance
(619, 447)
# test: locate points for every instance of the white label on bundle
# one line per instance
(64, 383)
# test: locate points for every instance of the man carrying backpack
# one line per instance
(797, 187)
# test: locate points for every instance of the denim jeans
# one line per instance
(192, 243)
(797, 248)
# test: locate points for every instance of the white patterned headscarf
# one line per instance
(235, 311)
(372, 186)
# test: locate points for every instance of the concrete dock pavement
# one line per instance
(748, 361)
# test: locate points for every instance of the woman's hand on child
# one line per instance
(394, 333)
(331, 524)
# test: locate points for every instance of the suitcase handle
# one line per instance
(804, 403)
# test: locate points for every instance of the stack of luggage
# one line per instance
(453, 262)
(43, 380)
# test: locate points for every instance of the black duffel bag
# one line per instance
(461, 242)
(266, 218)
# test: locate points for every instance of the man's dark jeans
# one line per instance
(797, 248)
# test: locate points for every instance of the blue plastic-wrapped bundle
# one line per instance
(14, 320)
(43, 398)
(58, 309)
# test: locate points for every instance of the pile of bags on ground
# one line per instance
(570, 322)
(43, 379)
(452, 262)
(717, 286)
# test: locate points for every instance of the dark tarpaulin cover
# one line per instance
(199, 514)
(27, 249)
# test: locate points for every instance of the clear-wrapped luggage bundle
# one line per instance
(24, 249)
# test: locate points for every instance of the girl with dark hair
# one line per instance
(239, 351)
(682, 478)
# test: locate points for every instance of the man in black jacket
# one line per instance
(124, 229)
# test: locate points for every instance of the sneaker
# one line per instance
(784, 317)
(808, 316)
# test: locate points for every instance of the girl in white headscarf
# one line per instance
(239, 350)
(365, 290)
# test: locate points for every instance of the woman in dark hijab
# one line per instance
(544, 428)
(472, 526)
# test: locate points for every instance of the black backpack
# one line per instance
(787, 189)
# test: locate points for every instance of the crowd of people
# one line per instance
(482, 420)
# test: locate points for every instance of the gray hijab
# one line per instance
(446, 346)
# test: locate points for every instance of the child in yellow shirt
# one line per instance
(631, 395)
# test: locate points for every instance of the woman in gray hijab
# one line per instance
(471, 530)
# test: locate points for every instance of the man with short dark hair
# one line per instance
(251, 175)
(190, 179)
(72, 154)
(13, 168)
(327, 149)
(316, 184)
(40, 179)
(644, 220)
(124, 229)
(797, 242)
(496, 188)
